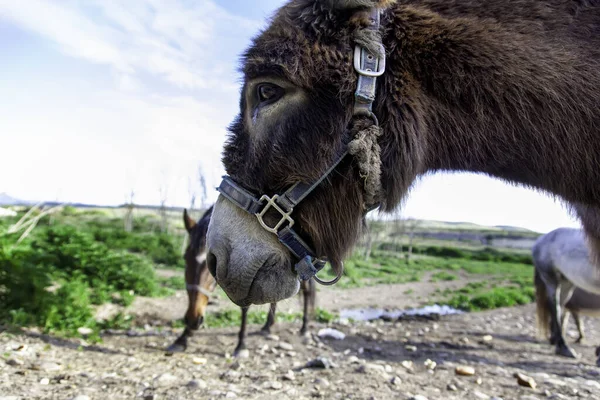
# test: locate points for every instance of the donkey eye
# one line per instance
(268, 92)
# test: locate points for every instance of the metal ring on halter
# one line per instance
(334, 280)
(361, 112)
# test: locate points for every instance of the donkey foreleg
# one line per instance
(580, 327)
(266, 329)
(242, 333)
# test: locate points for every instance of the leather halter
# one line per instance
(368, 67)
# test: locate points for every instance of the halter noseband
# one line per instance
(368, 67)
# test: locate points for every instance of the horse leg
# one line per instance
(306, 298)
(564, 321)
(242, 334)
(180, 344)
(580, 328)
(564, 290)
(266, 329)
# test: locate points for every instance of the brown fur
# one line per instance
(505, 88)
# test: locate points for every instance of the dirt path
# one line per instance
(376, 360)
(397, 296)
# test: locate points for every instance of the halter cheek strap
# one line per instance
(198, 288)
(368, 67)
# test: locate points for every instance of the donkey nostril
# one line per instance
(211, 263)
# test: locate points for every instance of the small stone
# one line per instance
(487, 338)
(418, 397)
(48, 367)
(430, 364)
(594, 384)
(14, 362)
(285, 346)
(230, 395)
(331, 333)
(199, 360)
(322, 382)
(272, 337)
(197, 384)
(527, 397)
(480, 395)
(407, 364)
(44, 381)
(81, 397)
(84, 331)
(320, 362)
(272, 385)
(451, 387)
(524, 380)
(479, 381)
(496, 398)
(289, 376)
(165, 379)
(464, 370)
(411, 348)
(396, 381)
(353, 360)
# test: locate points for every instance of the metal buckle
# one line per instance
(368, 72)
(285, 216)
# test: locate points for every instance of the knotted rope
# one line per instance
(365, 149)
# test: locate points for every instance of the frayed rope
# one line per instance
(367, 154)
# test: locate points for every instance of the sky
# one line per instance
(101, 98)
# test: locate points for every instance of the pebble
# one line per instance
(81, 397)
(44, 381)
(407, 364)
(197, 384)
(244, 353)
(464, 370)
(322, 382)
(273, 337)
(272, 385)
(48, 367)
(396, 381)
(165, 379)
(480, 395)
(411, 348)
(452, 387)
(320, 362)
(230, 395)
(418, 397)
(285, 346)
(487, 338)
(14, 362)
(528, 398)
(331, 333)
(430, 364)
(524, 380)
(84, 331)
(199, 360)
(289, 376)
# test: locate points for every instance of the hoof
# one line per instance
(176, 348)
(265, 331)
(241, 353)
(565, 351)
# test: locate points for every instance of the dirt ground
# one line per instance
(375, 360)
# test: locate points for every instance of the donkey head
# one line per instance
(296, 111)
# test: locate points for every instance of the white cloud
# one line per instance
(172, 40)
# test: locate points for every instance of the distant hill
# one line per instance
(6, 200)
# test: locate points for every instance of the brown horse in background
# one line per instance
(200, 284)
(346, 103)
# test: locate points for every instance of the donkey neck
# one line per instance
(465, 93)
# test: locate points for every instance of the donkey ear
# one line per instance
(355, 4)
(187, 221)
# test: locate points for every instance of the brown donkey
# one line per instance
(200, 284)
(345, 103)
